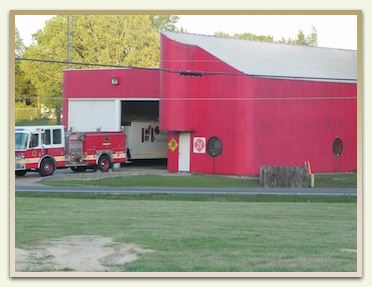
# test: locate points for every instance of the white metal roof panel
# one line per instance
(276, 60)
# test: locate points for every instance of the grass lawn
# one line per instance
(218, 233)
(36, 122)
(336, 180)
(195, 180)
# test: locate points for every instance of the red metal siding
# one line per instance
(182, 97)
(210, 105)
(133, 83)
(299, 120)
(172, 160)
(260, 121)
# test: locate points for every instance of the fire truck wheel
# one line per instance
(20, 172)
(128, 154)
(46, 167)
(104, 163)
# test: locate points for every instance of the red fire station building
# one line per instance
(230, 106)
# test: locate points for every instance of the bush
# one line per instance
(25, 112)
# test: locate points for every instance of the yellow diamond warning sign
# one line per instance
(172, 145)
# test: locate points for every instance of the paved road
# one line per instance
(132, 169)
(142, 190)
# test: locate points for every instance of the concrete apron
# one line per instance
(33, 178)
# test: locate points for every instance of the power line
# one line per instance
(77, 63)
(187, 73)
(181, 72)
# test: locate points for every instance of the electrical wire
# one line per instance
(188, 72)
(181, 72)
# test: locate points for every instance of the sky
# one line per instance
(334, 31)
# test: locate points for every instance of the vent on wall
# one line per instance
(337, 147)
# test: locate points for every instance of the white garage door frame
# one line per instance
(88, 119)
(184, 151)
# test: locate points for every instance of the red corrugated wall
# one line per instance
(172, 159)
(133, 83)
(299, 120)
(211, 105)
(260, 121)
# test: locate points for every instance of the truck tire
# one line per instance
(47, 167)
(78, 168)
(104, 163)
(128, 154)
(20, 172)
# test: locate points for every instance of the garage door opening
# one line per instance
(139, 111)
(145, 141)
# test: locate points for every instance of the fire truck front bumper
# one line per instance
(20, 163)
(20, 166)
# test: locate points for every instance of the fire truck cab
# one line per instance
(39, 148)
(46, 148)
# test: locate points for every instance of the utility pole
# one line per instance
(70, 25)
(69, 50)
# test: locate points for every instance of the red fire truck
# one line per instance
(45, 148)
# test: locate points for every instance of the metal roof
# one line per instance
(276, 60)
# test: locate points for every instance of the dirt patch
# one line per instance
(77, 253)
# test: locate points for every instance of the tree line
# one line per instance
(301, 38)
(117, 40)
(125, 40)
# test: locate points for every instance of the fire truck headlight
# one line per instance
(19, 156)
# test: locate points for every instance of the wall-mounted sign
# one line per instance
(172, 145)
(199, 145)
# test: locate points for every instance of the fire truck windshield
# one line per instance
(21, 140)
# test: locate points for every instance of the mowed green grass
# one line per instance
(335, 180)
(194, 180)
(36, 122)
(211, 235)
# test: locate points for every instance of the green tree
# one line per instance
(166, 22)
(25, 92)
(117, 40)
(223, 35)
(301, 39)
(19, 45)
(250, 36)
(46, 77)
(246, 36)
(312, 39)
